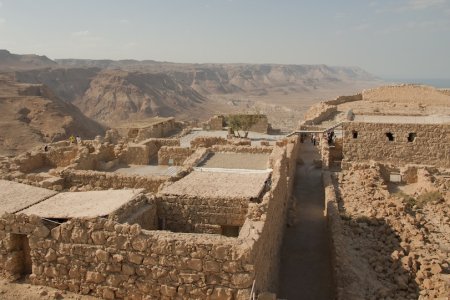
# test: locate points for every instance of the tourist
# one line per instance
(78, 140)
(72, 139)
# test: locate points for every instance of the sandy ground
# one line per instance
(25, 291)
(257, 161)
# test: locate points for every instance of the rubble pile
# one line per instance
(398, 249)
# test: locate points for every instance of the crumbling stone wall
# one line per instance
(214, 123)
(241, 149)
(430, 145)
(345, 99)
(177, 154)
(319, 113)
(208, 141)
(89, 180)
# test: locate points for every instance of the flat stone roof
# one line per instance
(82, 204)
(16, 196)
(231, 160)
(218, 185)
(402, 119)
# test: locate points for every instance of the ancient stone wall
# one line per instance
(208, 141)
(262, 125)
(407, 93)
(111, 260)
(319, 113)
(347, 283)
(241, 149)
(158, 130)
(264, 227)
(345, 99)
(137, 154)
(214, 123)
(191, 214)
(176, 154)
(90, 180)
(369, 141)
(330, 153)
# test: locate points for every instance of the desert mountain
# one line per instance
(111, 91)
(9, 61)
(30, 115)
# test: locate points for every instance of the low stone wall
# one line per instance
(330, 153)
(242, 149)
(345, 99)
(177, 154)
(208, 141)
(369, 141)
(158, 130)
(214, 123)
(90, 180)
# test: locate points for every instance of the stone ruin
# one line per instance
(121, 218)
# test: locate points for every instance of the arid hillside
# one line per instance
(9, 61)
(31, 115)
(113, 91)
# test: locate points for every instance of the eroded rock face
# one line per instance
(396, 249)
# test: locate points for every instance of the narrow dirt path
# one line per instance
(306, 271)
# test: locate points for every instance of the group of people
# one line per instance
(73, 139)
(329, 135)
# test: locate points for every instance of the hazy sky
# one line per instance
(403, 38)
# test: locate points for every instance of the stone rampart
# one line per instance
(319, 113)
(428, 144)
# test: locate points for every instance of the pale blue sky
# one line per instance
(403, 38)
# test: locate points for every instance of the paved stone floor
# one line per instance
(306, 271)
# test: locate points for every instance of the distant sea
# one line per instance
(438, 83)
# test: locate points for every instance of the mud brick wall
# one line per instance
(430, 146)
(177, 154)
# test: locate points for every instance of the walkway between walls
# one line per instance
(306, 271)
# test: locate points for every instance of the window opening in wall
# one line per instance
(411, 137)
(355, 134)
(21, 243)
(230, 231)
(390, 136)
